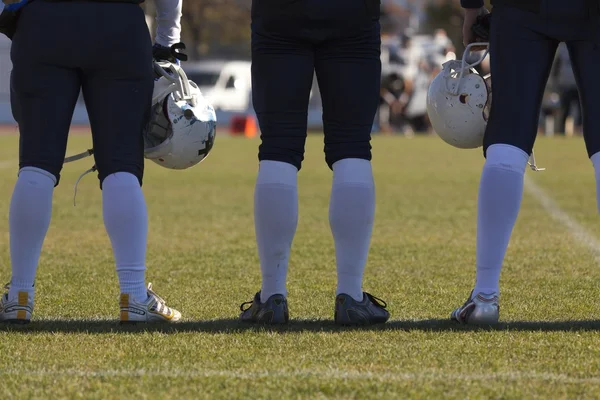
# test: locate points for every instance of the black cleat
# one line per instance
(274, 311)
(369, 311)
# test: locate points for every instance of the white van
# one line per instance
(226, 84)
(228, 87)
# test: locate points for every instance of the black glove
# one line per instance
(171, 54)
(481, 28)
(10, 16)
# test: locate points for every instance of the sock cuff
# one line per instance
(120, 179)
(357, 171)
(22, 283)
(507, 157)
(276, 173)
(131, 276)
(38, 175)
(133, 269)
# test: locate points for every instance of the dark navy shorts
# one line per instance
(340, 41)
(522, 48)
(101, 49)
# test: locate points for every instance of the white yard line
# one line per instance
(332, 374)
(577, 230)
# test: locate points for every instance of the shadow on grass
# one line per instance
(220, 326)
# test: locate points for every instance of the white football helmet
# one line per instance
(458, 102)
(181, 131)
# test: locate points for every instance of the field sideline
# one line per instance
(202, 259)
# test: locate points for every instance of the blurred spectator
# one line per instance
(403, 14)
(415, 111)
(566, 86)
(410, 62)
(392, 102)
(442, 42)
(446, 15)
(391, 49)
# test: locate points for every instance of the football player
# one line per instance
(339, 40)
(104, 49)
(524, 36)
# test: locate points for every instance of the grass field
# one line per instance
(202, 259)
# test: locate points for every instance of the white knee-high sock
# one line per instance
(126, 222)
(351, 215)
(275, 221)
(595, 158)
(30, 213)
(500, 194)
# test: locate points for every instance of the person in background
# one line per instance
(567, 91)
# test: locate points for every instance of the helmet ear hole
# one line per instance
(456, 107)
(189, 114)
(181, 130)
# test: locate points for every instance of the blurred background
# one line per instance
(417, 37)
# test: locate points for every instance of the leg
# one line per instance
(282, 72)
(43, 96)
(348, 115)
(513, 130)
(517, 94)
(584, 56)
(118, 99)
(578, 120)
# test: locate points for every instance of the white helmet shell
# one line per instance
(181, 131)
(458, 101)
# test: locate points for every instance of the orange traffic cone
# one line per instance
(243, 125)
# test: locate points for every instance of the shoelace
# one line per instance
(242, 309)
(376, 300)
(248, 303)
(157, 297)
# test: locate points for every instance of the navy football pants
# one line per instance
(340, 41)
(522, 49)
(103, 49)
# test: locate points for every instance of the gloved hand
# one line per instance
(14, 7)
(473, 16)
(481, 28)
(171, 54)
(9, 17)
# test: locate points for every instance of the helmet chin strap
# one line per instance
(531, 163)
(178, 78)
(76, 157)
(465, 67)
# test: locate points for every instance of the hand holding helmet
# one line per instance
(181, 131)
(173, 54)
(475, 25)
(458, 100)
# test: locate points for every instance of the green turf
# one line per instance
(202, 259)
